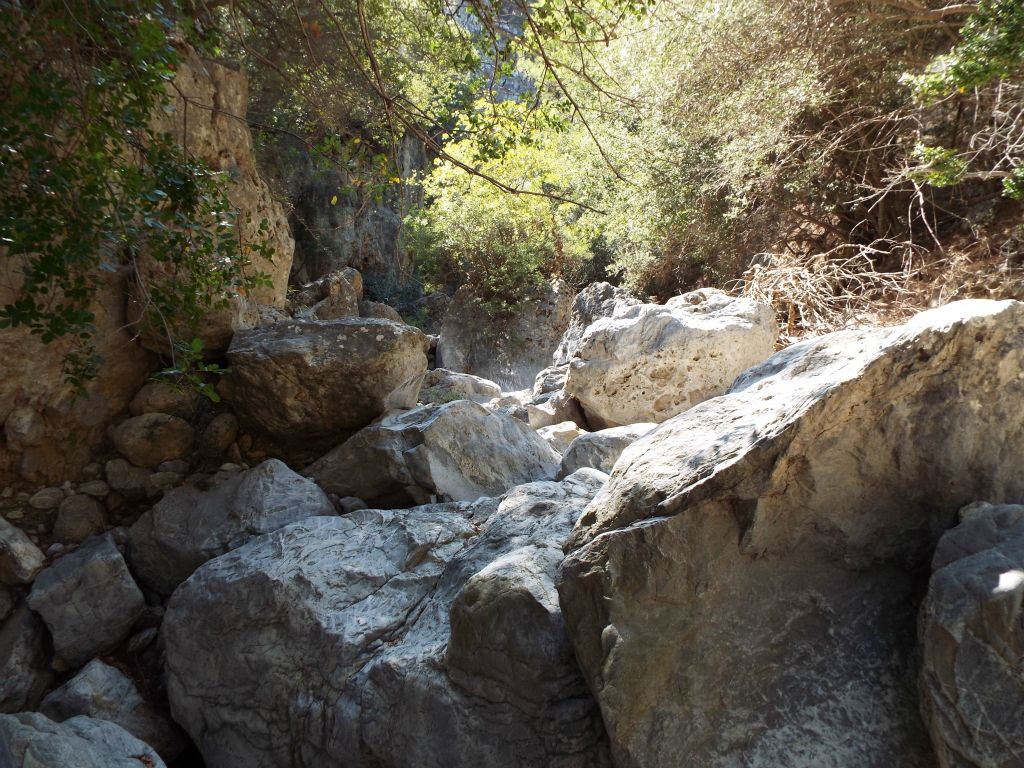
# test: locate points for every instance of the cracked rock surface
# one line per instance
(744, 590)
(422, 637)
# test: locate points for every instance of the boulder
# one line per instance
(103, 692)
(510, 352)
(127, 479)
(972, 678)
(304, 381)
(190, 525)
(31, 739)
(330, 297)
(88, 600)
(217, 437)
(554, 408)
(551, 379)
(378, 309)
(744, 590)
(165, 397)
(444, 386)
(601, 449)
(650, 362)
(153, 438)
(79, 517)
(595, 301)
(560, 436)
(445, 643)
(455, 451)
(24, 662)
(20, 559)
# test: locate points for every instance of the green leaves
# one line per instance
(86, 185)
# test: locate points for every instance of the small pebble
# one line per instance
(54, 549)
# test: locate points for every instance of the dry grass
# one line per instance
(843, 288)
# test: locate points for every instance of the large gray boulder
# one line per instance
(31, 740)
(972, 679)
(744, 590)
(601, 449)
(649, 362)
(421, 638)
(191, 525)
(103, 692)
(456, 451)
(595, 301)
(24, 661)
(304, 381)
(88, 600)
(510, 351)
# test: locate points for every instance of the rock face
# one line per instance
(743, 591)
(443, 386)
(650, 362)
(24, 663)
(457, 451)
(100, 691)
(512, 355)
(189, 525)
(304, 381)
(210, 123)
(972, 682)
(34, 740)
(601, 449)
(590, 305)
(48, 432)
(88, 601)
(389, 639)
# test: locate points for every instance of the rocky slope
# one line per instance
(674, 548)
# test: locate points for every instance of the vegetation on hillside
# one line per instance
(817, 150)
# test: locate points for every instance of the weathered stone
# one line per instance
(972, 681)
(126, 478)
(88, 601)
(595, 301)
(511, 353)
(300, 382)
(78, 518)
(46, 498)
(334, 295)
(443, 386)
(190, 526)
(650, 362)
(601, 449)
(217, 437)
(95, 488)
(377, 309)
(744, 590)
(153, 438)
(165, 397)
(31, 740)
(554, 408)
(102, 692)
(211, 100)
(49, 430)
(551, 379)
(24, 664)
(20, 559)
(454, 451)
(391, 639)
(560, 436)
